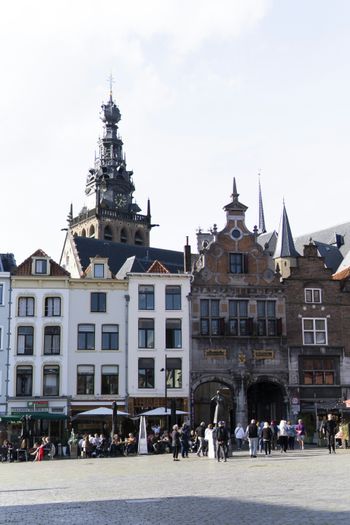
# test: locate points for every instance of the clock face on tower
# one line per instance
(120, 200)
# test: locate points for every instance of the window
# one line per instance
(146, 333)
(110, 337)
(1, 294)
(85, 380)
(51, 382)
(173, 373)
(146, 297)
(173, 337)
(52, 307)
(99, 271)
(239, 323)
(238, 263)
(52, 340)
(109, 380)
(98, 302)
(314, 331)
(41, 266)
(25, 340)
(173, 297)
(318, 371)
(86, 337)
(268, 325)
(1, 342)
(211, 323)
(313, 295)
(146, 373)
(26, 306)
(24, 381)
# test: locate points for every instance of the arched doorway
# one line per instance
(204, 408)
(266, 401)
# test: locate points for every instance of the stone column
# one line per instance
(241, 401)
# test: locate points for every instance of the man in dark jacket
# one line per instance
(200, 432)
(221, 441)
(329, 429)
(252, 435)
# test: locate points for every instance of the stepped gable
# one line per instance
(117, 254)
(25, 268)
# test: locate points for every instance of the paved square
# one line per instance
(297, 488)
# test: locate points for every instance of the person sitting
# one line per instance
(116, 448)
(130, 444)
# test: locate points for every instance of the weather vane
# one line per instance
(111, 82)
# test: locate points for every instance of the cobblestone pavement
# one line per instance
(296, 488)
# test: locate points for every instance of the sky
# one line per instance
(208, 91)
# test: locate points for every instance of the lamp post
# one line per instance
(165, 386)
(114, 417)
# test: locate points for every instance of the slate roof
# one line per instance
(7, 262)
(285, 243)
(25, 268)
(141, 257)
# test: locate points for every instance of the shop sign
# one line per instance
(264, 354)
(216, 353)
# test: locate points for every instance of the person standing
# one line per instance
(239, 435)
(200, 432)
(330, 431)
(175, 441)
(291, 435)
(221, 440)
(266, 435)
(300, 431)
(252, 435)
(283, 435)
(184, 440)
(209, 438)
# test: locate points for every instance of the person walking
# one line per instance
(239, 435)
(329, 429)
(266, 435)
(221, 440)
(291, 435)
(252, 435)
(200, 432)
(283, 435)
(184, 440)
(175, 441)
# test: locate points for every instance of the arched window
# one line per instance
(139, 238)
(124, 236)
(75, 234)
(92, 231)
(108, 236)
(83, 233)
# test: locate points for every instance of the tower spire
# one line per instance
(285, 244)
(262, 227)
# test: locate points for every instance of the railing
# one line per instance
(110, 214)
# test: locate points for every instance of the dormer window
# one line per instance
(41, 267)
(99, 271)
(313, 295)
(238, 263)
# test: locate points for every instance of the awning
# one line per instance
(34, 415)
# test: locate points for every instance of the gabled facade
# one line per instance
(238, 325)
(318, 314)
(38, 373)
(159, 339)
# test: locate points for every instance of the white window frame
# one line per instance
(313, 293)
(97, 268)
(315, 331)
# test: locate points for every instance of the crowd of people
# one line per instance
(213, 440)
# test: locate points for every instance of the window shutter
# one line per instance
(245, 263)
(250, 326)
(279, 326)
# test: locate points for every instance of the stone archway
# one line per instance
(266, 400)
(202, 406)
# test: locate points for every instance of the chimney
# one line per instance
(187, 257)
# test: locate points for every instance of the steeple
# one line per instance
(262, 228)
(110, 211)
(285, 253)
(235, 205)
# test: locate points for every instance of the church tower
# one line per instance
(109, 212)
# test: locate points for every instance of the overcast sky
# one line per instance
(207, 91)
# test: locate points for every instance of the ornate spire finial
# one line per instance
(111, 82)
(234, 190)
(262, 227)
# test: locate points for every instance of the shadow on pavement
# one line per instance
(168, 511)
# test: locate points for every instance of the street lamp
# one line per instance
(165, 387)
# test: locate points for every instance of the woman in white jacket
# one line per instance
(283, 435)
(239, 435)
